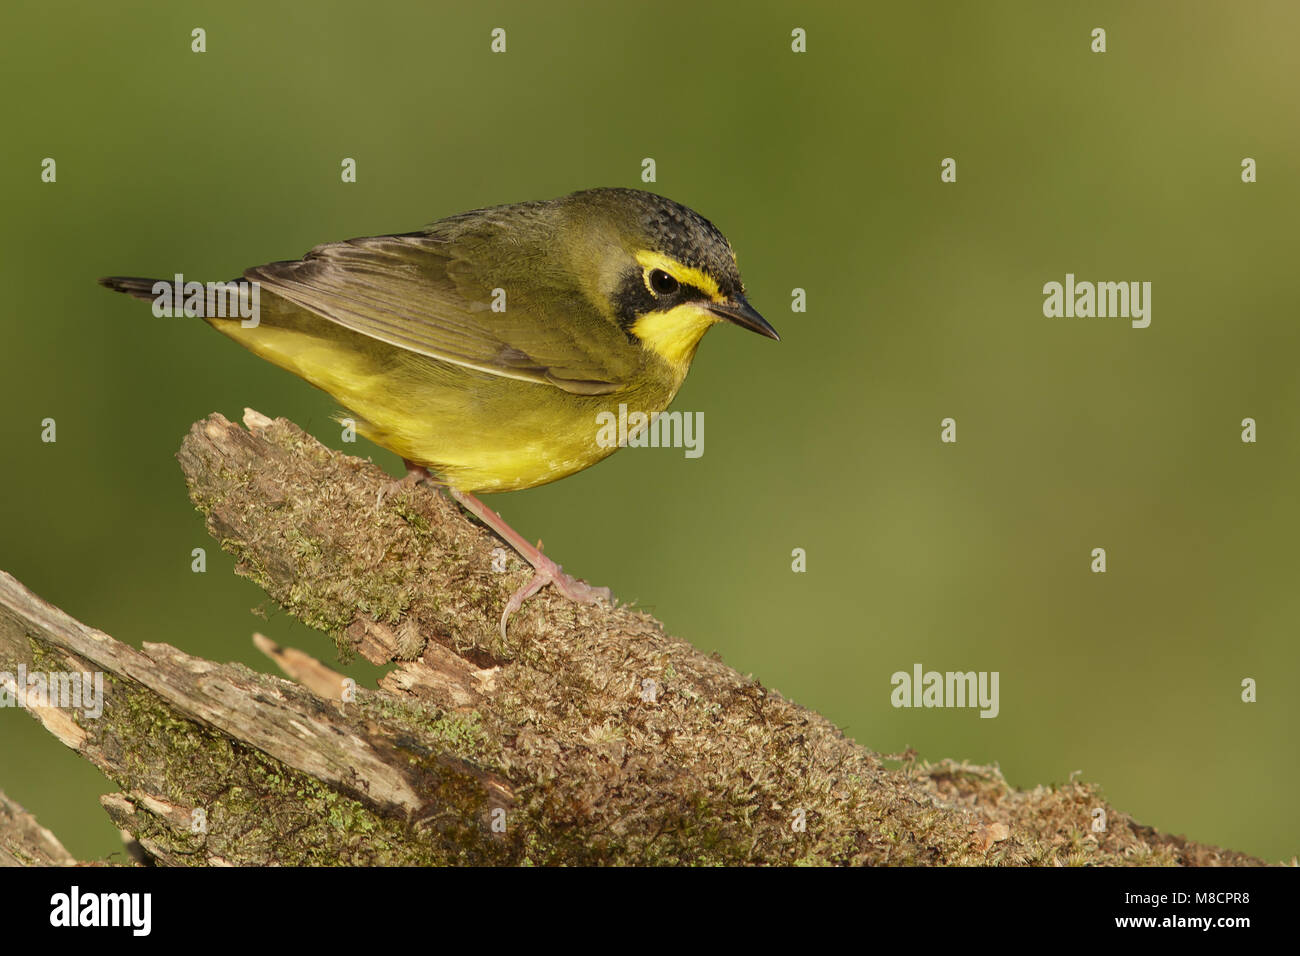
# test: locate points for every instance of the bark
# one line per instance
(24, 842)
(586, 736)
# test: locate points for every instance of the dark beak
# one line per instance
(744, 315)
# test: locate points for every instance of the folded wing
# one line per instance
(422, 293)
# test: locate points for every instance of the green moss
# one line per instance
(260, 810)
(419, 523)
(459, 734)
(45, 657)
(304, 548)
(596, 776)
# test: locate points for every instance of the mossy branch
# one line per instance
(587, 736)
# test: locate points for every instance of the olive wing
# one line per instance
(423, 293)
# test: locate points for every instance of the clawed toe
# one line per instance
(414, 475)
(546, 571)
(580, 592)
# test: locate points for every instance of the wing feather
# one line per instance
(426, 293)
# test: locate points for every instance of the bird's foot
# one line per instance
(545, 571)
(414, 475)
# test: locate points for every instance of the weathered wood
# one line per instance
(24, 842)
(587, 735)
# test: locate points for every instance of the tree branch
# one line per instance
(587, 735)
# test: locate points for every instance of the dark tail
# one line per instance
(140, 288)
(144, 289)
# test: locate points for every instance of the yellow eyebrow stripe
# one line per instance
(684, 274)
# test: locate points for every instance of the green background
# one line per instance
(924, 301)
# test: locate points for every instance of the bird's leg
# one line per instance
(414, 475)
(545, 571)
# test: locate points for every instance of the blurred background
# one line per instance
(924, 301)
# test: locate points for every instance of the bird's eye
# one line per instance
(661, 283)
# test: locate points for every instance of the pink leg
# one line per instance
(545, 570)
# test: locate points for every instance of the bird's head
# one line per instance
(666, 274)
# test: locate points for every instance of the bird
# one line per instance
(483, 347)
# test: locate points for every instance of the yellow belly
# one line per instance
(475, 430)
